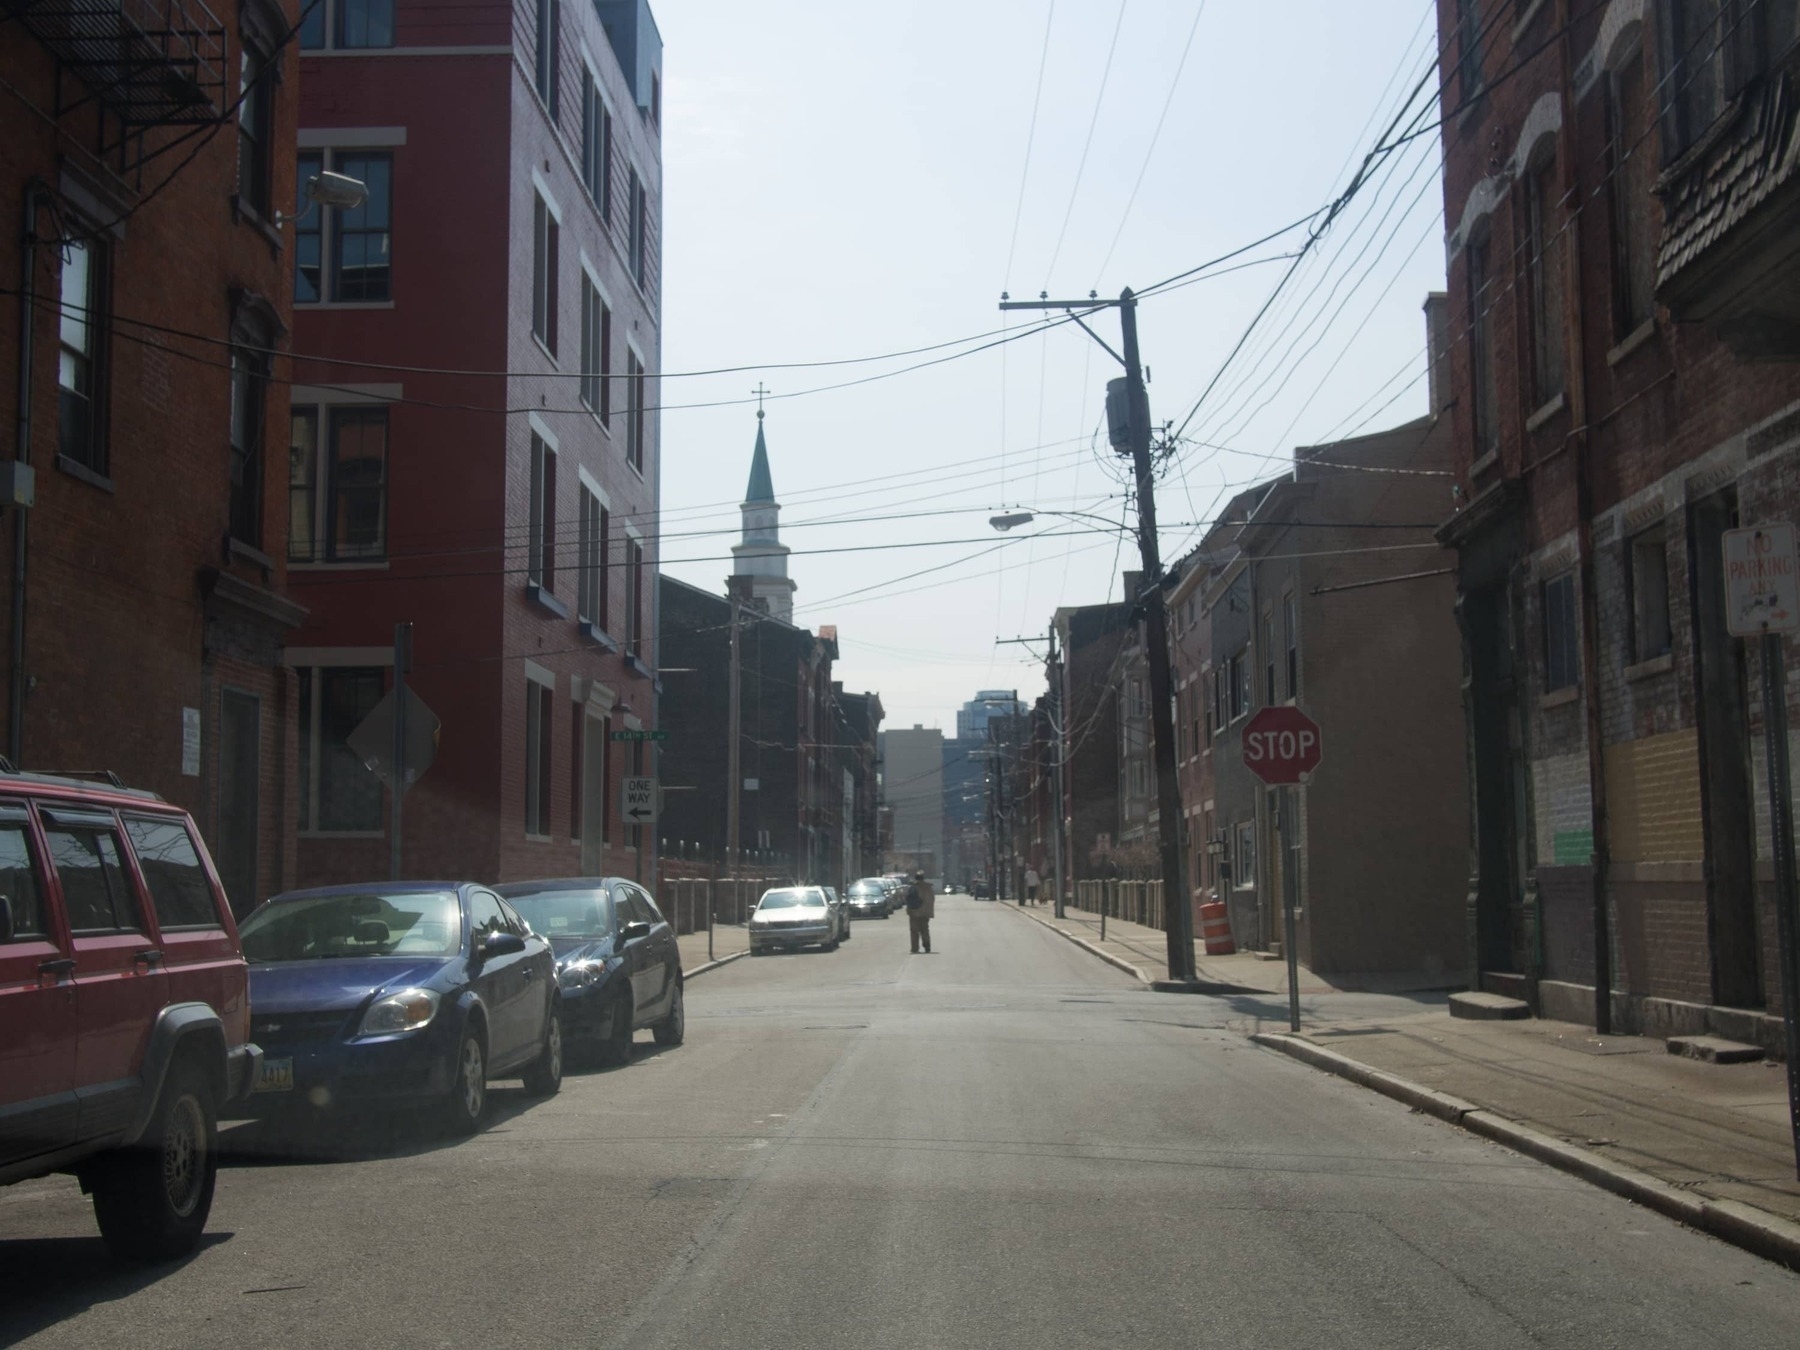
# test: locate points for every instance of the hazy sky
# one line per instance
(842, 181)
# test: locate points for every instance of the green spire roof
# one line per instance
(762, 488)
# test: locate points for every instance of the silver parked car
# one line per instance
(794, 916)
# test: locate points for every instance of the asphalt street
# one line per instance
(1004, 1143)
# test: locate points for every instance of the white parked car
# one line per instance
(790, 917)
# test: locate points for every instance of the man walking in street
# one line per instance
(1032, 882)
(921, 903)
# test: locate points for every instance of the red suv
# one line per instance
(124, 1019)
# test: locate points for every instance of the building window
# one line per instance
(1544, 276)
(549, 54)
(365, 23)
(592, 574)
(1630, 186)
(1246, 855)
(640, 212)
(604, 582)
(1647, 576)
(249, 390)
(537, 758)
(1468, 48)
(540, 564)
(337, 793)
(1695, 90)
(596, 349)
(1268, 637)
(575, 769)
(255, 128)
(1481, 347)
(1562, 660)
(81, 363)
(1139, 780)
(1215, 703)
(359, 242)
(1136, 698)
(596, 145)
(634, 618)
(1240, 685)
(634, 411)
(543, 274)
(337, 487)
(1290, 629)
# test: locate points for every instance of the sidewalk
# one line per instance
(1707, 1144)
(729, 941)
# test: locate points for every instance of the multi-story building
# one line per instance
(1190, 659)
(972, 717)
(146, 552)
(1624, 329)
(858, 719)
(1092, 639)
(912, 784)
(473, 441)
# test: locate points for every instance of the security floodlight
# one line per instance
(337, 190)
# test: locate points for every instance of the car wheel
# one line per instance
(545, 1075)
(151, 1201)
(831, 946)
(616, 1049)
(673, 1028)
(464, 1104)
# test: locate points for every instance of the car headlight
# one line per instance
(580, 974)
(407, 1010)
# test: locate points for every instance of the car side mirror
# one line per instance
(634, 930)
(500, 942)
(6, 918)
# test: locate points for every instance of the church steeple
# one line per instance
(762, 556)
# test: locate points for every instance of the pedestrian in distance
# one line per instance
(920, 905)
(1032, 882)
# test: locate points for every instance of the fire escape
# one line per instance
(141, 64)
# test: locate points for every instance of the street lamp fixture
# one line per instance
(337, 190)
(1012, 518)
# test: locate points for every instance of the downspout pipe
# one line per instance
(36, 195)
(1582, 446)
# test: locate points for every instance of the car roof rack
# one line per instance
(77, 778)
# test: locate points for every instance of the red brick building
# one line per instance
(145, 155)
(1624, 322)
(474, 441)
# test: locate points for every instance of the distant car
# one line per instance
(870, 898)
(123, 1025)
(949, 888)
(791, 917)
(981, 890)
(399, 994)
(617, 962)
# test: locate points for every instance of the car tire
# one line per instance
(544, 1076)
(616, 1048)
(672, 1030)
(466, 1102)
(151, 1201)
(831, 946)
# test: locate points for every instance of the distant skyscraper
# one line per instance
(972, 717)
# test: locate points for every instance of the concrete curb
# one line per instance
(1118, 962)
(1763, 1234)
(714, 965)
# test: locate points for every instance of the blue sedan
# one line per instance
(403, 994)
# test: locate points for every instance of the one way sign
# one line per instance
(640, 801)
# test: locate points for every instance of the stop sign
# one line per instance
(1282, 745)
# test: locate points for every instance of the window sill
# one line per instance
(538, 595)
(1525, 20)
(597, 635)
(341, 834)
(1558, 698)
(635, 664)
(76, 469)
(310, 565)
(1556, 404)
(543, 347)
(1485, 462)
(302, 306)
(531, 838)
(250, 553)
(1628, 344)
(1651, 666)
(246, 214)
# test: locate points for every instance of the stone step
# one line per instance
(1488, 1007)
(1714, 1049)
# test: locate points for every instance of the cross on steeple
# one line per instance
(759, 391)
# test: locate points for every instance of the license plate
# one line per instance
(277, 1076)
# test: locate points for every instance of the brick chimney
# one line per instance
(1437, 349)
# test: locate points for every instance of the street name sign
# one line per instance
(639, 806)
(1282, 745)
(629, 735)
(1762, 581)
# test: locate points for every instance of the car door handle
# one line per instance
(531, 972)
(151, 957)
(61, 965)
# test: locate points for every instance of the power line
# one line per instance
(1086, 145)
(1030, 136)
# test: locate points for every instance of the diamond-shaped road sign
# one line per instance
(1282, 745)
(373, 740)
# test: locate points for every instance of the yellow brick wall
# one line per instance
(1653, 799)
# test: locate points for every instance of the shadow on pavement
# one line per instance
(306, 1137)
(44, 1281)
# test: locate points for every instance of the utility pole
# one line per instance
(1056, 763)
(733, 735)
(1133, 420)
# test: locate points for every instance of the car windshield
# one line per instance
(320, 927)
(566, 913)
(792, 900)
(868, 888)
